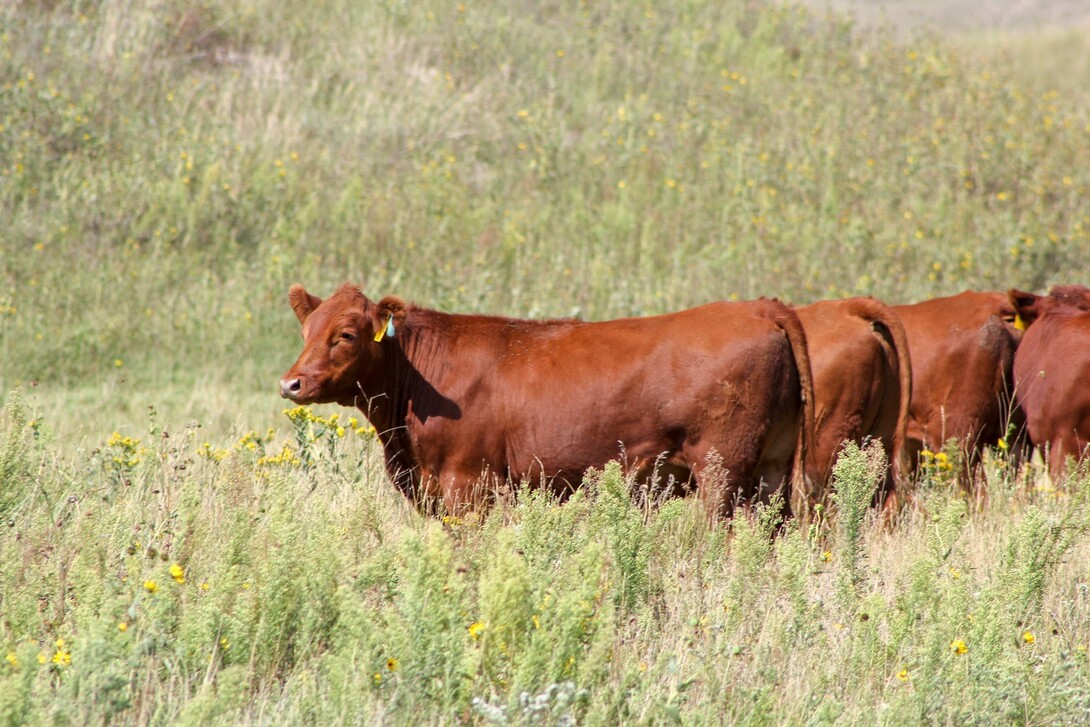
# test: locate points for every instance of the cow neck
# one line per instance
(401, 378)
(397, 389)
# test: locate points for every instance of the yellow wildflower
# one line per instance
(377, 678)
(151, 586)
(827, 556)
(475, 629)
(1028, 637)
(177, 573)
(392, 664)
(225, 644)
(122, 627)
(903, 675)
(41, 657)
(958, 646)
(12, 658)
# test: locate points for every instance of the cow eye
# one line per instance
(347, 336)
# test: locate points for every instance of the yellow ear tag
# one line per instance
(1019, 323)
(387, 330)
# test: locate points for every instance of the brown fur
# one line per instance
(962, 350)
(1051, 369)
(863, 384)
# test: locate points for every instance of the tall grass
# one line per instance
(160, 580)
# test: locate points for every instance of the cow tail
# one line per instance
(802, 496)
(882, 315)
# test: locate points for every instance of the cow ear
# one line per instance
(302, 302)
(1027, 306)
(391, 314)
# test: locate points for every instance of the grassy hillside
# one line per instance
(169, 168)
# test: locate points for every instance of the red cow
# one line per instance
(962, 349)
(1051, 371)
(862, 383)
(462, 402)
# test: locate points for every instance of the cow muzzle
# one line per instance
(290, 388)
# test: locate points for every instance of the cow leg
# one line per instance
(720, 483)
(462, 490)
(731, 476)
(1062, 446)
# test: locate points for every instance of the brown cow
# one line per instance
(1051, 369)
(862, 384)
(962, 349)
(462, 402)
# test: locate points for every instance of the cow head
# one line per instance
(345, 338)
(1027, 306)
(1030, 307)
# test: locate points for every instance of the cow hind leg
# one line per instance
(1063, 446)
(721, 478)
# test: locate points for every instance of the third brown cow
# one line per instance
(962, 349)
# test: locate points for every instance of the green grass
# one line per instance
(168, 169)
(160, 579)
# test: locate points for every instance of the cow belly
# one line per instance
(646, 420)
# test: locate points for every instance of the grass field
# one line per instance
(176, 550)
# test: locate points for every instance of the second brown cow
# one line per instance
(862, 384)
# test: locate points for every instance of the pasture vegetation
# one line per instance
(167, 169)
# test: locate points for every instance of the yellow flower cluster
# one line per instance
(935, 460)
(61, 657)
(302, 415)
(250, 442)
(177, 573)
(127, 451)
(214, 455)
(287, 456)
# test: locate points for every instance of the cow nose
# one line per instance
(289, 388)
